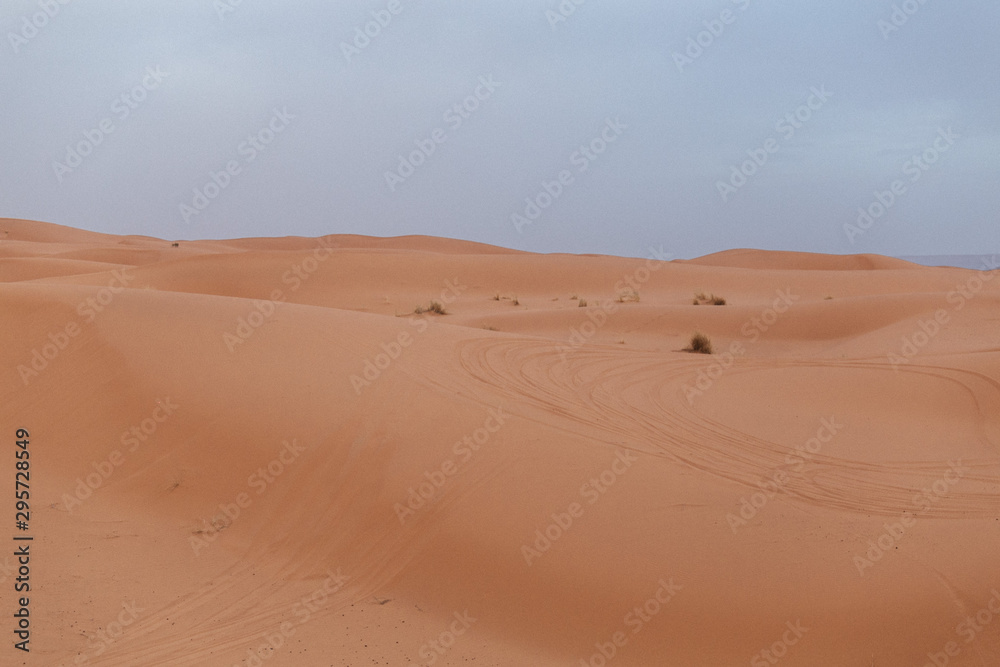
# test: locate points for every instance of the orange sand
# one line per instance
(288, 384)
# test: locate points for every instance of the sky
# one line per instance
(579, 126)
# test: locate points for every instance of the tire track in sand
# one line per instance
(637, 396)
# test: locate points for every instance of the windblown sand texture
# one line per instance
(261, 416)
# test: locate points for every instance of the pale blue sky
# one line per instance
(338, 119)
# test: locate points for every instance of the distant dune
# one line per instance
(800, 261)
(977, 262)
(254, 452)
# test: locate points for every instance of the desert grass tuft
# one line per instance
(701, 299)
(435, 308)
(700, 344)
(629, 295)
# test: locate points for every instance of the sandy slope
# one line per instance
(287, 383)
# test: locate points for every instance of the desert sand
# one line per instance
(253, 452)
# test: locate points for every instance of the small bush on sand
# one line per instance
(435, 308)
(582, 303)
(700, 344)
(628, 295)
(702, 299)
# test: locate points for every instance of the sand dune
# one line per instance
(253, 452)
(800, 261)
